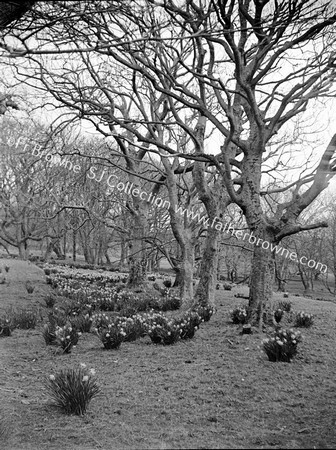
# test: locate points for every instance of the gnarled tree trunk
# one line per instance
(205, 292)
(261, 279)
(186, 272)
(137, 248)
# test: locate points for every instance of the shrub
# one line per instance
(163, 331)
(205, 312)
(6, 326)
(170, 303)
(66, 337)
(282, 346)
(50, 300)
(106, 304)
(24, 319)
(100, 321)
(227, 287)
(165, 335)
(165, 292)
(49, 333)
(278, 314)
(82, 323)
(30, 287)
(47, 271)
(240, 295)
(285, 305)
(111, 336)
(75, 307)
(167, 282)
(73, 389)
(53, 281)
(57, 317)
(239, 315)
(126, 299)
(134, 327)
(303, 320)
(188, 324)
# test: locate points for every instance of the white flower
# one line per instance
(83, 365)
(52, 377)
(92, 372)
(85, 378)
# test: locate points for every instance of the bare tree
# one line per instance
(241, 72)
(24, 191)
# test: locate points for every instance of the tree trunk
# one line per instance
(309, 289)
(308, 285)
(65, 243)
(53, 246)
(108, 261)
(307, 281)
(215, 200)
(178, 277)
(205, 292)
(150, 264)
(261, 282)
(5, 247)
(74, 244)
(23, 250)
(138, 259)
(281, 285)
(123, 253)
(89, 255)
(186, 274)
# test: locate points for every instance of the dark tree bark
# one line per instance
(74, 244)
(12, 11)
(137, 250)
(261, 280)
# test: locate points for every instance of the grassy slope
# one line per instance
(216, 391)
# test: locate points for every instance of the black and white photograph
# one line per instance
(167, 224)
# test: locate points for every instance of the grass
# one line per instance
(217, 390)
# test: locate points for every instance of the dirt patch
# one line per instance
(216, 391)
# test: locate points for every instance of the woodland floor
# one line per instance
(216, 391)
